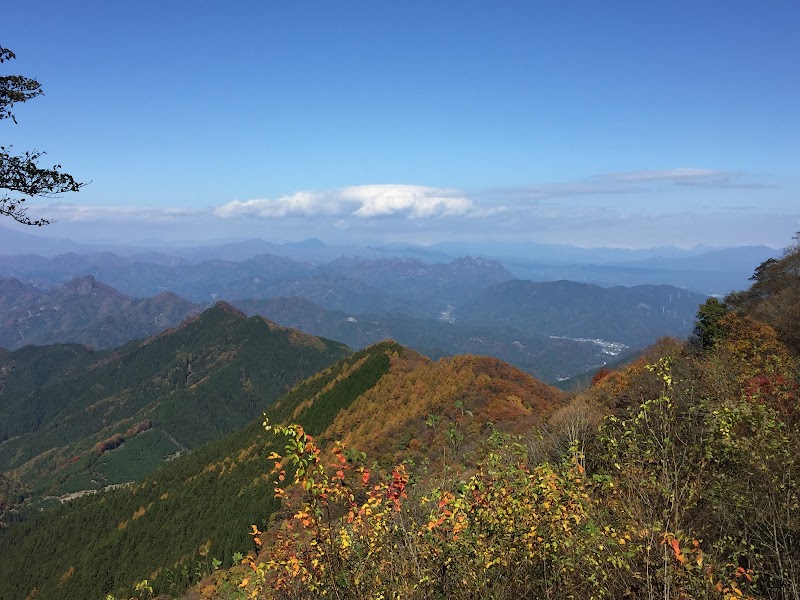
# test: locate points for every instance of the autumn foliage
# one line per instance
(511, 530)
(600, 375)
(685, 489)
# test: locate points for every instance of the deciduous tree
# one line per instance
(20, 177)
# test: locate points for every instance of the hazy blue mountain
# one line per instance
(551, 330)
(15, 241)
(447, 283)
(713, 271)
(710, 283)
(635, 316)
(734, 260)
(83, 311)
(559, 254)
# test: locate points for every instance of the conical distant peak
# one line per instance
(224, 306)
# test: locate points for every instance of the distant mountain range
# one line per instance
(356, 285)
(711, 271)
(438, 306)
(552, 330)
(635, 316)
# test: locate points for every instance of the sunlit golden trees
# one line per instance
(774, 297)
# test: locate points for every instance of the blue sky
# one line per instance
(626, 124)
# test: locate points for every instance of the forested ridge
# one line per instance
(62, 406)
(168, 527)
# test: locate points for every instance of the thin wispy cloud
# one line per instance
(568, 189)
(711, 178)
(635, 182)
(670, 175)
(64, 211)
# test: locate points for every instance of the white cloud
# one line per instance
(413, 201)
(363, 201)
(299, 204)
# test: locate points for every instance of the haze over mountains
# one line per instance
(708, 270)
(83, 311)
(424, 297)
(554, 330)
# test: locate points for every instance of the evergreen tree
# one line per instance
(707, 328)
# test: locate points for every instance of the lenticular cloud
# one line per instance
(364, 201)
(414, 201)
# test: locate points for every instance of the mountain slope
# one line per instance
(204, 502)
(63, 407)
(635, 316)
(466, 391)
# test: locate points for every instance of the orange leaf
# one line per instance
(676, 548)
